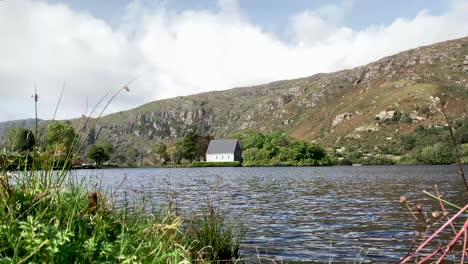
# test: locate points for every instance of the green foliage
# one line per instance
(425, 110)
(464, 153)
(439, 153)
(119, 158)
(11, 136)
(26, 140)
(42, 223)
(201, 146)
(278, 149)
(15, 161)
(461, 128)
(61, 137)
(397, 116)
(405, 118)
(358, 157)
(20, 139)
(433, 145)
(464, 137)
(256, 157)
(377, 160)
(212, 236)
(355, 157)
(108, 147)
(160, 150)
(132, 156)
(249, 139)
(47, 217)
(307, 151)
(409, 142)
(185, 147)
(426, 137)
(407, 159)
(190, 148)
(98, 153)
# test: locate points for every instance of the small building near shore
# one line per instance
(224, 150)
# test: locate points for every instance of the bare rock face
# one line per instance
(414, 116)
(303, 106)
(368, 128)
(384, 115)
(434, 103)
(340, 118)
(465, 64)
(294, 91)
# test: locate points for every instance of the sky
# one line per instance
(92, 48)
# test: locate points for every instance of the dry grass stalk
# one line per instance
(455, 145)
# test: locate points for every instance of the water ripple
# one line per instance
(304, 214)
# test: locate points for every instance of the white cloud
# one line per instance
(182, 53)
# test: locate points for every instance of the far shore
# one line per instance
(264, 166)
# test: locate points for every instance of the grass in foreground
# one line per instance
(45, 217)
(46, 221)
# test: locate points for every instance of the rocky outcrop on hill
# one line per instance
(406, 89)
(340, 118)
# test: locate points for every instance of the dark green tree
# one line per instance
(160, 150)
(26, 140)
(98, 153)
(461, 128)
(61, 137)
(439, 153)
(250, 139)
(133, 156)
(256, 157)
(278, 148)
(201, 146)
(20, 139)
(186, 147)
(109, 148)
(464, 137)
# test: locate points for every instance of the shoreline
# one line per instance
(266, 166)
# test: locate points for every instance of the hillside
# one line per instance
(4, 126)
(369, 107)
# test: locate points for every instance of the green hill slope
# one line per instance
(370, 108)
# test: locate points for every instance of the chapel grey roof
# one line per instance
(222, 146)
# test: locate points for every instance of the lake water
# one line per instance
(304, 214)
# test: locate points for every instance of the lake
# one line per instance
(304, 214)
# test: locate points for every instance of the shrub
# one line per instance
(439, 153)
(379, 160)
(256, 157)
(464, 137)
(406, 119)
(397, 116)
(354, 157)
(344, 162)
(279, 149)
(98, 153)
(212, 237)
